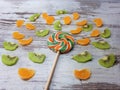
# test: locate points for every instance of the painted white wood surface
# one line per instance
(11, 10)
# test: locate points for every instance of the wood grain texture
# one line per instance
(102, 78)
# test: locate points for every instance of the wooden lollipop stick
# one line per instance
(52, 71)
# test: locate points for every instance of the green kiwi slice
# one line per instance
(9, 60)
(87, 27)
(36, 58)
(101, 45)
(10, 46)
(107, 61)
(106, 33)
(82, 57)
(34, 17)
(58, 12)
(57, 25)
(42, 33)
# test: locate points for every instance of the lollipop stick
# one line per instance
(52, 71)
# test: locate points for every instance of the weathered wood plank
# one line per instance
(63, 78)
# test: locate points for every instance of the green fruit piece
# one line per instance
(83, 57)
(34, 17)
(87, 27)
(107, 61)
(36, 58)
(42, 33)
(106, 33)
(57, 25)
(58, 12)
(101, 45)
(8, 60)
(10, 46)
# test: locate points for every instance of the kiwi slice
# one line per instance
(10, 46)
(107, 61)
(9, 60)
(83, 57)
(87, 27)
(101, 45)
(106, 33)
(42, 33)
(58, 12)
(57, 25)
(36, 58)
(34, 17)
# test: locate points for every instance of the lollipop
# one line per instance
(60, 42)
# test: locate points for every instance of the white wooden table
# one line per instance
(102, 78)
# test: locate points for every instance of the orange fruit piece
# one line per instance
(98, 22)
(19, 23)
(25, 41)
(67, 20)
(82, 74)
(76, 15)
(30, 26)
(17, 35)
(50, 20)
(44, 15)
(77, 31)
(84, 41)
(95, 33)
(82, 23)
(26, 73)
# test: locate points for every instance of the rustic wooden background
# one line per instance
(102, 78)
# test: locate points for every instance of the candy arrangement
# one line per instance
(60, 42)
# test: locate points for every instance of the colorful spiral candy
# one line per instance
(60, 41)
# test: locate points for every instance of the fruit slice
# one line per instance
(76, 15)
(101, 45)
(25, 41)
(82, 74)
(67, 20)
(34, 17)
(81, 23)
(44, 15)
(95, 33)
(82, 57)
(8, 60)
(10, 46)
(107, 61)
(36, 58)
(30, 26)
(42, 33)
(87, 27)
(106, 33)
(17, 35)
(19, 23)
(50, 20)
(59, 12)
(83, 42)
(57, 25)
(26, 73)
(77, 31)
(98, 22)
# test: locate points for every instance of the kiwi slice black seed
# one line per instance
(42, 33)
(87, 27)
(82, 57)
(101, 45)
(9, 60)
(106, 33)
(57, 25)
(107, 61)
(36, 58)
(10, 46)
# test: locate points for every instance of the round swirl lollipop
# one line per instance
(60, 42)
